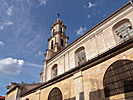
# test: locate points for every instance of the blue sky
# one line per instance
(25, 27)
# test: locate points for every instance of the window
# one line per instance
(118, 78)
(62, 42)
(53, 31)
(54, 71)
(27, 99)
(123, 30)
(61, 29)
(80, 56)
(52, 44)
(55, 94)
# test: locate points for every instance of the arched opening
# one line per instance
(118, 78)
(123, 30)
(55, 94)
(62, 42)
(80, 56)
(61, 29)
(54, 71)
(52, 44)
(53, 31)
(27, 99)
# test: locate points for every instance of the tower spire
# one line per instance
(58, 39)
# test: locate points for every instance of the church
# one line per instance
(96, 66)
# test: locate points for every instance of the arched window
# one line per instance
(54, 71)
(62, 42)
(55, 94)
(123, 30)
(53, 31)
(27, 99)
(61, 29)
(80, 56)
(118, 78)
(52, 44)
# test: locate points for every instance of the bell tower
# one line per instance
(58, 39)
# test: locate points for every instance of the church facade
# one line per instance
(96, 66)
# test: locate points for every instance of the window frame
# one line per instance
(80, 56)
(125, 36)
(54, 71)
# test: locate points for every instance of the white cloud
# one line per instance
(6, 4)
(32, 44)
(2, 43)
(10, 11)
(88, 16)
(1, 28)
(81, 30)
(42, 2)
(90, 5)
(11, 66)
(29, 2)
(33, 65)
(9, 23)
(6, 24)
(40, 53)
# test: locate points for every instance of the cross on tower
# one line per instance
(58, 15)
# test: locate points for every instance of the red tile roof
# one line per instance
(2, 98)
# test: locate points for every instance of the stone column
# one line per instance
(78, 84)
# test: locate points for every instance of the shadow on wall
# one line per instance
(71, 98)
(81, 97)
(128, 89)
(98, 95)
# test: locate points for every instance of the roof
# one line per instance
(2, 97)
(24, 87)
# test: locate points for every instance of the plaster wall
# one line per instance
(12, 95)
(33, 96)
